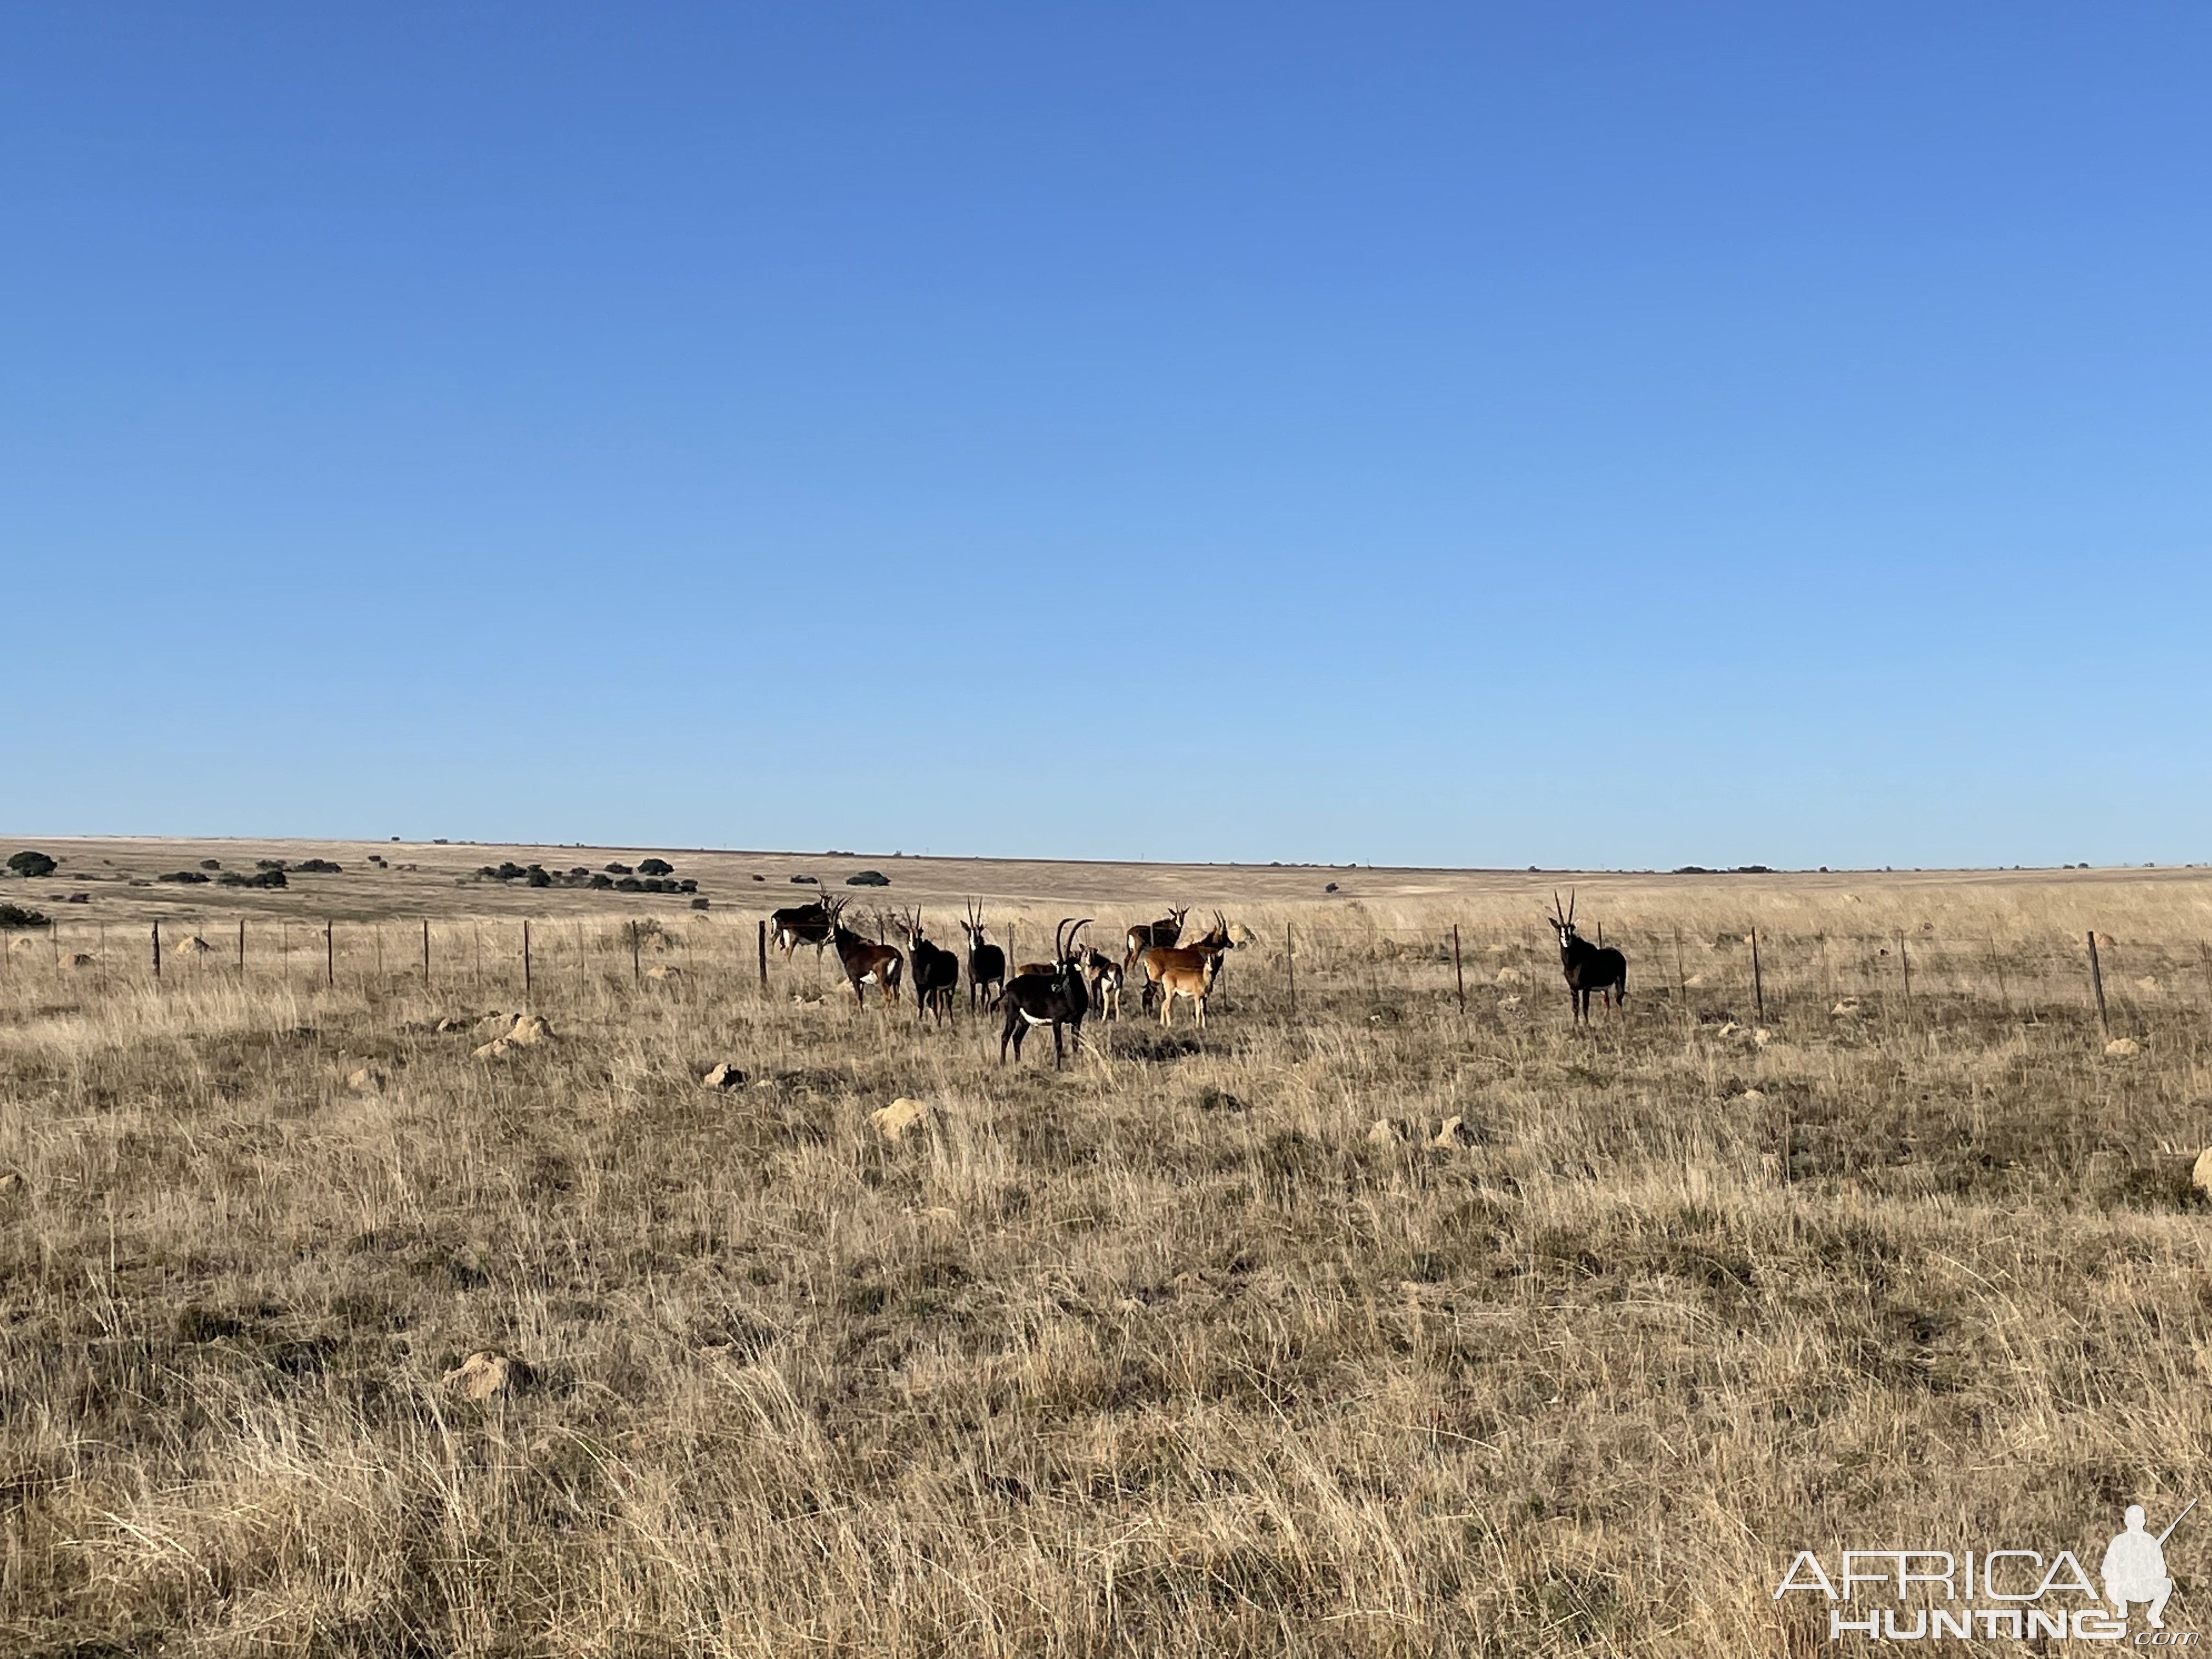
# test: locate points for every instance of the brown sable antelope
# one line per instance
(802, 924)
(936, 972)
(1102, 977)
(1186, 971)
(1054, 998)
(864, 962)
(1145, 934)
(987, 962)
(1588, 966)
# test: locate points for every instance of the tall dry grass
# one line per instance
(1167, 1353)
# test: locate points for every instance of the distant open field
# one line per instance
(1202, 1345)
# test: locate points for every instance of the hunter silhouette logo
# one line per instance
(1990, 1594)
(2134, 1566)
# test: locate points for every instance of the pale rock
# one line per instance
(1383, 1132)
(486, 1375)
(1453, 1133)
(2201, 1175)
(901, 1118)
(723, 1076)
(2122, 1047)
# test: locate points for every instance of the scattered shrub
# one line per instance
(655, 867)
(15, 916)
(28, 863)
(807, 881)
(269, 864)
(317, 867)
(187, 877)
(629, 884)
(620, 869)
(700, 903)
(689, 886)
(602, 883)
(536, 876)
(210, 864)
(259, 879)
(868, 879)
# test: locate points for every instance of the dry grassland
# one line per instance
(1173, 1352)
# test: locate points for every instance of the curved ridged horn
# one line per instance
(1074, 931)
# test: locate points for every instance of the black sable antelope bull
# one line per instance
(864, 962)
(1588, 966)
(1055, 998)
(987, 962)
(802, 924)
(936, 972)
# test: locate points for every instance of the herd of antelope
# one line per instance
(1062, 991)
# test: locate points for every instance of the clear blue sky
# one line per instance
(1579, 435)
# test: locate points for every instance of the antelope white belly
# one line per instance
(1033, 1019)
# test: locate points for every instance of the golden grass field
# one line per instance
(1172, 1352)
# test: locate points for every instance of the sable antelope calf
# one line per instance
(987, 962)
(802, 924)
(936, 972)
(1588, 966)
(1054, 998)
(1145, 934)
(1102, 977)
(1188, 970)
(864, 962)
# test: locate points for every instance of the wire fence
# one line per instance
(1290, 968)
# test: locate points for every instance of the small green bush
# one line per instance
(317, 867)
(868, 879)
(655, 867)
(187, 878)
(28, 863)
(15, 916)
